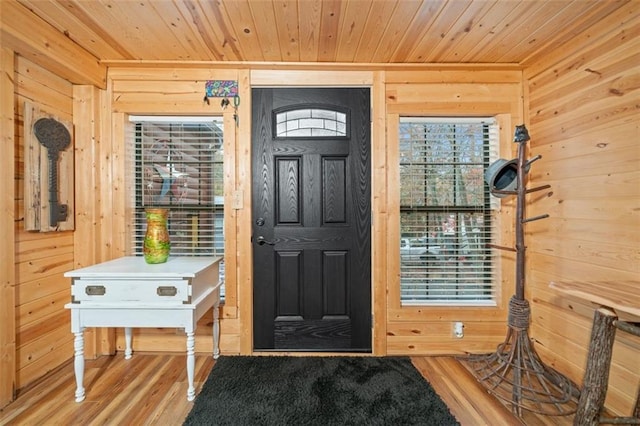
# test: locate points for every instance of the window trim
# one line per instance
(132, 177)
(503, 226)
(485, 209)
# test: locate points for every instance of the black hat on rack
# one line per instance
(502, 175)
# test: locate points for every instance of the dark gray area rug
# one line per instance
(274, 390)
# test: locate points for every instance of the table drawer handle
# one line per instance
(95, 290)
(167, 291)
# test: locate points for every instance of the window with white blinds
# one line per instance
(445, 211)
(177, 165)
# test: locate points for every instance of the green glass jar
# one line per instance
(156, 239)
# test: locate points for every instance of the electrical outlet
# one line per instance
(457, 329)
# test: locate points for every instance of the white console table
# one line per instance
(129, 293)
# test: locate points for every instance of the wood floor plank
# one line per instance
(150, 389)
(171, 372)
(466, 398)
(137, 383)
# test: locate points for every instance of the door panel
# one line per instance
(311, 219)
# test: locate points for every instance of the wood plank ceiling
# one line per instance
(344, 31)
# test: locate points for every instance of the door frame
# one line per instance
(374, 81)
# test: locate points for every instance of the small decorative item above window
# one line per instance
(221, 89)
(224, 89)
(156, 240)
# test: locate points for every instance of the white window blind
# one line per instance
(177, 164)
(446, 211)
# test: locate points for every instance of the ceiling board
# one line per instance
(418, 31)
(539, 18)
(396, 30)
(345, 31)
(482, 28)
(288, 29)
(222, 37)
(601, 11)
(380, 26)
(352, 28)
(462, 26)
(439, 30)
(120, 21)
(329, 29)
(74, 21)
(266, 29)
(504, 33)
(241, 19)
(308, 17)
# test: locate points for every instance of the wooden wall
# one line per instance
(397, 330)
(139, 91)
(584, 106)
(40, 67)
(43, 341)
(7, 227)
(427, 330)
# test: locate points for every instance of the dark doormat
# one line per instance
(273, 390)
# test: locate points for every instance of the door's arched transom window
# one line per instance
(310, 123)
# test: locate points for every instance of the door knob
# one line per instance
(262, 241)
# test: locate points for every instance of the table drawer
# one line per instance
(143, 291)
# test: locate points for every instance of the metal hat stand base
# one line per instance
(514, 373)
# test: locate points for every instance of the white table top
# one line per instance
(135, 267)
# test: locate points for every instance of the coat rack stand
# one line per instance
(515, 373)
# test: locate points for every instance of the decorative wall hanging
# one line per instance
(224, 89)
(220, 89)
(48, 171)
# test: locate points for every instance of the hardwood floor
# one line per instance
(150, 389)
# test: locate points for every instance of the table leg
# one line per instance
(216, 330)
(191, 364)
(596, 376)
(127, 343)
(78, 363)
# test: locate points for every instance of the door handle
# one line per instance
(262, 241)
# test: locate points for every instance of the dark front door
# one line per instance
(311, 219)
